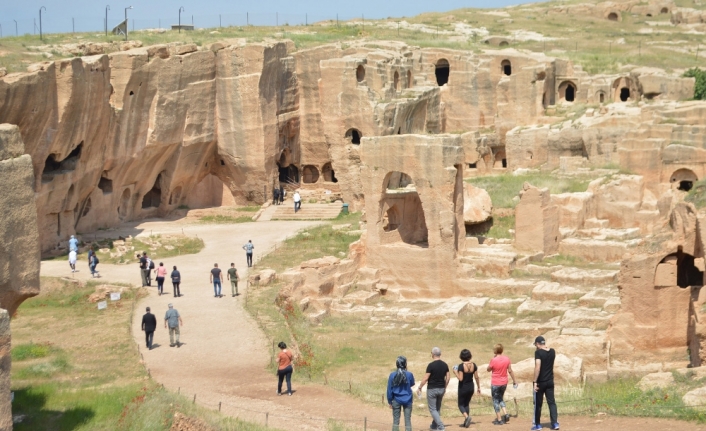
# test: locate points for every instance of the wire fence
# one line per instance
(97, 23)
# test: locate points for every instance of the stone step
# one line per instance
(307, 212)
(585, 277)
(552, 291)
(491, 266)
(583, 317)
(608, 234)
(594, 250)
(597, 298)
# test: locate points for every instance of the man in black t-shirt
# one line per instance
(216, 280)
(544, 383)
(437, 375)
(143, 268)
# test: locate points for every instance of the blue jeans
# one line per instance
(498, 392)
(396, 410)
(434, 398)
(281, 375)
(217, 287)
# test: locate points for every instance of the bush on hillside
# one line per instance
(700, 87)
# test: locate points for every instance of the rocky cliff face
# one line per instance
(138, 133)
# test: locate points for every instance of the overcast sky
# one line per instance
(89, 14)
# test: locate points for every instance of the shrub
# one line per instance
(700, 86)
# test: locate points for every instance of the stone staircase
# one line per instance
(307, 211)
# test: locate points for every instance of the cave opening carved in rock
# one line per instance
(401, 211)
(567, 91)
(153, 198)
(310, 174)
(442, 72)
(683, 179)
(329, 174)
(353, 135)
(52, 166)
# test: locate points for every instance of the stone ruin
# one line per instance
(392, 130)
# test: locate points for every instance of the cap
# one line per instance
(539, 340)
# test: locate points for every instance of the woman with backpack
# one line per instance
(466, 371)
(399, 394)
(160, 274)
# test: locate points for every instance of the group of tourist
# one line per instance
(436, 379)
(278, 195)
(172, 319)
(73, 257)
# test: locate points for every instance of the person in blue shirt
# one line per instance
(73, 244)
(399, 394)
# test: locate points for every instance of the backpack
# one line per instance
(95, 259)
(150, 263)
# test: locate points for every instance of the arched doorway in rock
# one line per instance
(683, 179)
(396, 81)
(624, 94)
(409, 79)
(288, 174)
(622, 89)
(664, 10)
(401, 212)
(601, 97)
(328, 173)
(442, 71)
(124, 207)
(310, 174)
(360, 73)
(500, 158)
(567, 91)
(506, 67)
(153, 198)
(353, 135)
(684, 271)
(613, 16)
(105, 184)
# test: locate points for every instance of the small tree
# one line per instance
(700, 86)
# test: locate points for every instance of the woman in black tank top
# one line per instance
(466, 372)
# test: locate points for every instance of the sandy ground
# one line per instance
(224, 354)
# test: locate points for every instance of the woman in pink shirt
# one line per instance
(500, 366)
(160, 272)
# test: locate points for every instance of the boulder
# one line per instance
(655, 380)
(267, 276)
(477, 205)
(696, 397)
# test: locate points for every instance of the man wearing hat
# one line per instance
(173, 318)
(544, 383)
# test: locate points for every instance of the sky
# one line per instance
(88, 15)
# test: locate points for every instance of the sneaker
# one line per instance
(536, 428)
(497, 422)
(279, 394)
(290, 394)
(171, 345)
(467, 422)
(555, 426)
(506, 418)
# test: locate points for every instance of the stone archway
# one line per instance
(613, 16)
(328, 173)
(401, 211)
(506, 67)
(409, 79)
(442, 72)
(153, 198)
(683, 179)
(310, 174)
(354, 135)
(360, 73)
(567, 91)
(396, 81)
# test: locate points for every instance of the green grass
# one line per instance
(501, 227)
(504, 188)
(30, 350)
(697, 195)
(78, 369)
(156, 246)
(225, 219)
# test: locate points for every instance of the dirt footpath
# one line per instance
(224, 354)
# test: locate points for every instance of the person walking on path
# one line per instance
(466, 371)
(173, 319)
(399, 394)
(149, 325)
(73, 244)
(297, 201)
(500, 366)
(437, 374)
(248, 252)
(176, 281)
(275, 196)
(216, 280)
(160, 275)
(285, 368)
(233, 277)
(544, 383)
(145, 269)
(92, 263)
(72, 260)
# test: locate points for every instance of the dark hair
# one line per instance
(161, 264)
(465, 355)
(174, 267)
(148, 309)
(281, 345)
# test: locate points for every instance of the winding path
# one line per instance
(225, 353)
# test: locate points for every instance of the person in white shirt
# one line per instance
(72, 260)
(297, 201)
